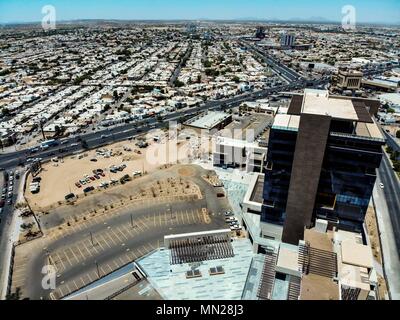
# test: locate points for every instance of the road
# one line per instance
(126, 131)
(392, 195)
(384, 201)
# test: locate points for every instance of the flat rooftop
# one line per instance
(319, 240)
(315, 287)
(247, 126)
(319, 102)
(257, 194)
(286, 122)
(172, 284)
(207, 120)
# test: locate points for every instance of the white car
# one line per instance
(236, 227)
(381, 186)
(230, 219)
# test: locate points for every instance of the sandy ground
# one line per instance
(370, 220)
(58, 179)
(392, 129)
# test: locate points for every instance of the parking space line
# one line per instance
(59, 260)
(83, 282)
(187, 214)
(86, 248)
(122, 261)
(118, 229)
(102, 270)
(67, 257)
(102, 240)
(127, 229)
(159, 218)
(144, 224)
(111, 238)
(75, 284)
(80, 252)
(61, 292)
(73, 253)
(141, 253)
(138, 226)
(115, 234)
(68, 288)
(116, 264)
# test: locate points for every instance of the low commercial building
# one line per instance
(208, 121)
(238, 145)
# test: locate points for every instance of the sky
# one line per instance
(367, 11)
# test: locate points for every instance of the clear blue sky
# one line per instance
(367, 10)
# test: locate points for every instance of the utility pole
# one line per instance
(48, 256)
(97, 268)
(91, 238)
(41, 129)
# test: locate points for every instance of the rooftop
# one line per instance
(319, 102)
(208, 120)
(172, 283)
(356, 254)
(315, 287)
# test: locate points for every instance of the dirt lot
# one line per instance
(58, 179)
(372, 227)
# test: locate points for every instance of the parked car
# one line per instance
(78, 185)
(88, 189)
(230, 219)
(137, 173)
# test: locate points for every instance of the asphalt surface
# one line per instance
(392, 195)
(105, 240)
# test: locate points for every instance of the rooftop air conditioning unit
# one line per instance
(321, 225)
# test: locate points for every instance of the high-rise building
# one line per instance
(287, 40)
(321, 163)
(260, 33)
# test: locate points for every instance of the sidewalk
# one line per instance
(390, 256)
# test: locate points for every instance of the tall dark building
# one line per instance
(260, 33)
(321, 163)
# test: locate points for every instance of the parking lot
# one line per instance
(90, 248)
(61, 178)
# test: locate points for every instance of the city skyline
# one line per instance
(370, 11)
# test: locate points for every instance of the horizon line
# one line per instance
(301, 21)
